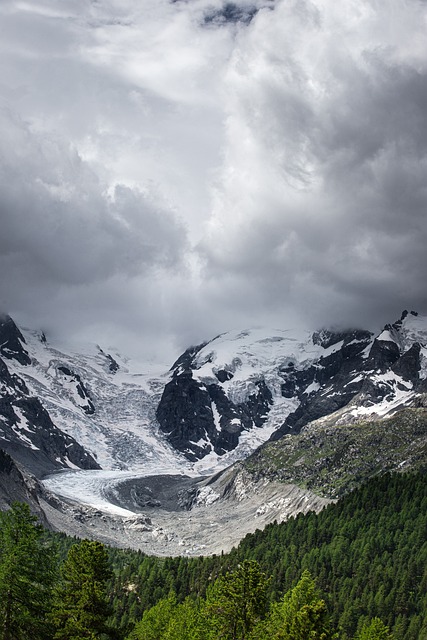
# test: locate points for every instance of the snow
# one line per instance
(251, 357)
(423, 370)
(21, 426)
(245, 353)
(386, 336)
(399, 393)
(216, 417)
(312, 388)
(90, 487)
(123, 433)
(248, 440)
(414, 329)
(357, 378)
(123, 430)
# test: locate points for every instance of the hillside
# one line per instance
(250, 427)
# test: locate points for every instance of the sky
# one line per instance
(173, 169)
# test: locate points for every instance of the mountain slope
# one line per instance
(246, 387)
(95, 399)
(331, 460)
(27, 432)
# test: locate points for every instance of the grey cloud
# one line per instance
(61, 229)
(328, 189)
(168, 180)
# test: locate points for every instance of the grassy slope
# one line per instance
(332, 460)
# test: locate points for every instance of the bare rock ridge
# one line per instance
(186, 413)
(329, 409)
(12, 342)
(233, 384)
(27, 432)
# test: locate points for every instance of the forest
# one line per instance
(357, 570)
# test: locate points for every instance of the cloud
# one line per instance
(66, 238)
(172, 169)
(321, 197)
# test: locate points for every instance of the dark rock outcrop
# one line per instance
(198, 418)
(329, 383)
(12, 341)
(87, 404)
(18, 486)
(206, 408)
(28, 434)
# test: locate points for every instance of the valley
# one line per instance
(170, 515)
(249, 428)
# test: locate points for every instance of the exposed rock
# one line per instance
(230, 12)
(74, 378)
(12, 341)
(199, 418)
(18, 486)
(28, 434)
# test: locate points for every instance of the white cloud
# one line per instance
(173, 173)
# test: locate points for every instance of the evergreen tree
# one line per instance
(27, 573)
(375, 630)
(238, 600)
(155, 621)
(302, 615)
(81, 606)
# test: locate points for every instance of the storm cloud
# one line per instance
(170, 170)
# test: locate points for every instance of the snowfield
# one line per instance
(123, 435)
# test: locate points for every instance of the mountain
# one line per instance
(276, 422)
(27, 432)
(223, 392)
(77, 409)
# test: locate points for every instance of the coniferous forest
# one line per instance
(358, 569)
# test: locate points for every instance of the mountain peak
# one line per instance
(12, 341)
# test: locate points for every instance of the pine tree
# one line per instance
(81, 606)
(155, 620)
(238, 600)
(27, 573)
(301, 615)
(375, 630)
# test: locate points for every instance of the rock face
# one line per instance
(73, 379)
(222, 398)
(377, 372)
(27, 432)
(15, 485)
(277, 383)
(203, 418)
(12, 341)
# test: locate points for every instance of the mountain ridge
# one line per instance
(283, 420)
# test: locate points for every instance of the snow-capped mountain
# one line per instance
(27, 432)
(89, 399)
(225, 391)
(88, 408)
(299, 408)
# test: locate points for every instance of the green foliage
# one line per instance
(238, 600)
(81, 607)
(170, 620)
(301, 615)
(191, 621)
(155, 621)
(27, 573)
(368, 553)
(334, 461)
(236, 608)
(375, 630)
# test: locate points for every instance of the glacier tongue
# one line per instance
(218, 403)
(121, 432)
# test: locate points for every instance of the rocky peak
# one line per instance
(12, 341)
